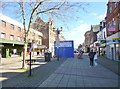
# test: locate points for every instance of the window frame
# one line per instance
(3, 37)
(12, 26)
(11, 36)
(3, 23)
(18, 38)
(19, 29)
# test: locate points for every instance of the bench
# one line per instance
(32, 61)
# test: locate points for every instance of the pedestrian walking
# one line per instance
(91, 56)
(95, 58)
(0, 56)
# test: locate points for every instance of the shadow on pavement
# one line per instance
(39, 74)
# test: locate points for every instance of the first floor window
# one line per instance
(11, 37)
(3, 35)
(18, 38)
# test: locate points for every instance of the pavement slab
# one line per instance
(65, 73)
(77, 73)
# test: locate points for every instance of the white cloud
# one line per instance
(77, 34)
(101, 16)
(93, 14)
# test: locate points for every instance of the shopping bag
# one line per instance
(78, 55)
(95, 63)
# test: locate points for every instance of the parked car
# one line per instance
(75, 51)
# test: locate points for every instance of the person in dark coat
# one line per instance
(91, 56)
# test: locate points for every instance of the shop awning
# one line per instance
(1, 45)
(39, 47)
(113, 42)
(11, 42)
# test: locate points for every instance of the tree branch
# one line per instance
(31, 17)
(50, 9)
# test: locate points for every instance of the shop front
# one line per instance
(11, 48)
(113, 49)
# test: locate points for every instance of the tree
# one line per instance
(30, 10)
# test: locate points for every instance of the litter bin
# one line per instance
(47, 56)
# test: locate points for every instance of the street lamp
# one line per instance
(30, 50)
(57, 40)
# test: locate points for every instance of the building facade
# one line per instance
(93, 36)
(101, 38)
(87, 41)
(49, 36)
(12, 37)
(113, 31)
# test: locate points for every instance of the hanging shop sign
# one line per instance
(116, 39)
(102, 41)
(111, 28)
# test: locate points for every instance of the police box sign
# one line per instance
(64, 44)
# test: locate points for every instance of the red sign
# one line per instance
(111, 28)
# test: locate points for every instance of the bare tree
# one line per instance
(30, 10)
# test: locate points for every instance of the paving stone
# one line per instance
(68, 73)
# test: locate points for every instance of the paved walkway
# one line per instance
(78, 73)
(110, 64)
(70, 72)
(39, 74)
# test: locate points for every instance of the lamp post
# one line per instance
(30, 50)
(57, 40)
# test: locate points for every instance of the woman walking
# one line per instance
(91, 56)
(95, 58)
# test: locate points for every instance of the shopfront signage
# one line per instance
(116, 39)
(111, 28)
(103, 41)
(113, 41)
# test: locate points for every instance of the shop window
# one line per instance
(3, 23)
(11, 37)
(3, 35)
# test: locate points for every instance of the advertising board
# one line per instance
(65, 49)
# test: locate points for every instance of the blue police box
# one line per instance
(65, 49)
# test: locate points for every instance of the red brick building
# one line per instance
(87, 41)
(113, 30)
(112, 18)
(12, 36)
(49, 36)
